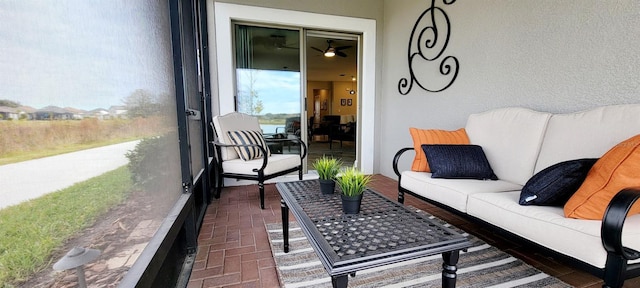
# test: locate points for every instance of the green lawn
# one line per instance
(32, 231)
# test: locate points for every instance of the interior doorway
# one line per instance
(332, 95)
(272, 66)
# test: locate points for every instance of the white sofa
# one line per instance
(518, 143)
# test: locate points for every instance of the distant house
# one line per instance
(53, 113)
(78, 114)
(27, 112)
(8, 113)
(118, 111)
(99, 113)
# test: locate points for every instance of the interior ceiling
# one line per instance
(336, 68)
(277, 49)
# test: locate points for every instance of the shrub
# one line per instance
(153, 160)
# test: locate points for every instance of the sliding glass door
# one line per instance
(268, 79)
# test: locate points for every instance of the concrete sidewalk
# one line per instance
(31, 179)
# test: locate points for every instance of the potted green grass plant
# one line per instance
(327, 168)
(352, 184)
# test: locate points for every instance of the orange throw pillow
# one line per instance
(433, 136)
(616, 170)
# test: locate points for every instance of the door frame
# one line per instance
(225, 13)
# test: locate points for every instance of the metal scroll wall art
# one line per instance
(429, 39)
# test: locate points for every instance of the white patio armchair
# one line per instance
(241, 152)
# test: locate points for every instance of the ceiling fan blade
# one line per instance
(319, 50)
(340, 53)
(342, 47)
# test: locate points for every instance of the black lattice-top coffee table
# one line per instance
(384, 232)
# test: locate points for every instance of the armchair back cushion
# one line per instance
(511, 140)
(233, 121)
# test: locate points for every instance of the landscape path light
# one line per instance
(76, 258)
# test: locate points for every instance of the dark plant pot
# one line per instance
(351, 204)
(327, 186)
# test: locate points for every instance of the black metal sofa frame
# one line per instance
(616, 270)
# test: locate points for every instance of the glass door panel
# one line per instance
(332, 94)
(268, 83)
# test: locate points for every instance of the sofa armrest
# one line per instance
(616, 269)
(613, 221)
(396, 158)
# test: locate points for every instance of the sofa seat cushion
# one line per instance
(451, 192)
(277, 163)
(548, 227)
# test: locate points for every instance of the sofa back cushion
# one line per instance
(587, 134)
(511, 139)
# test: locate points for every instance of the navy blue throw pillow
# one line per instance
(458, 162)
(554, 185)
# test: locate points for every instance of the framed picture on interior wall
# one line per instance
(343, 102)
(323, 106)
(349, 102)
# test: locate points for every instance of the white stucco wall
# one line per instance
(557, 56)
(219, 20)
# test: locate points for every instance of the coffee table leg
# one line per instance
(449, 268)
(339, 281)
(285, 224)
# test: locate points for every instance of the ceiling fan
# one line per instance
(332, 51)
(273, 42)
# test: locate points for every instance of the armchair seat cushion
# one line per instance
(276, 163)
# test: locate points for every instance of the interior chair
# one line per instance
(241, 152)
(326, 125)
(292, 126)
(343, 132)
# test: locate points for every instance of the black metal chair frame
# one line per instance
(259, 175)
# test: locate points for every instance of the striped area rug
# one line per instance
(481, 266)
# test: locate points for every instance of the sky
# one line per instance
(278, 90)
(83, 54)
